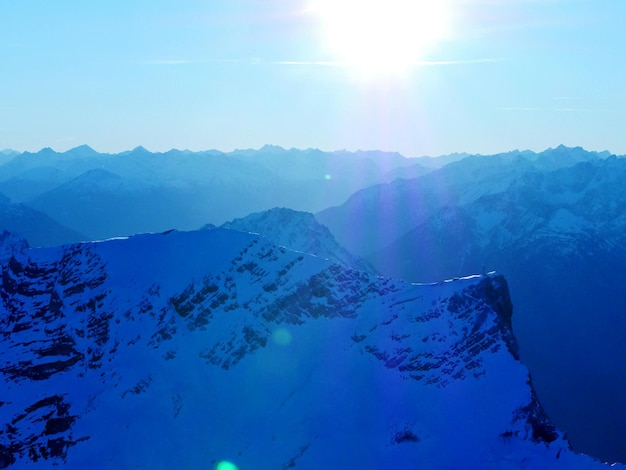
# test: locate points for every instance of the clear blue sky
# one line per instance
(229, 74)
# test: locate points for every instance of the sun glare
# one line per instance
(381, 37)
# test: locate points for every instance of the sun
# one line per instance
(381, 37)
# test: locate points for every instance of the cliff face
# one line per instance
(185, 349)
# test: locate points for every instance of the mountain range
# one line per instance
(190, 350)
(107, 195)
(551, 222)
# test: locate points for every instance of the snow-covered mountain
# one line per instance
(555, 210)
(182, 350)
(555, 229)
(298, 231)
(374, 217)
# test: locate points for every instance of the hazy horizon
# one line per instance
(235, 150)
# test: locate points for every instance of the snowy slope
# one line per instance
(298, 231)
(180, 350)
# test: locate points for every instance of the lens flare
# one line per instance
(225, 465)
(282, 336)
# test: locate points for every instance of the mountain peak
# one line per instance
(269, 148)
(47, 151)
(82, 151)
(299, 231)
(94, 180)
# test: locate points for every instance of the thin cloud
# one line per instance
(326, 63)
(560, 109)
(421, 63)
(458, 62)
(320, 63)
(167, 62)
(171, 62)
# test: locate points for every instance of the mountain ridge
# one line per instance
(228, 347)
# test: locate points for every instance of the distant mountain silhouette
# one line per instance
(36, 227)
(183, 189)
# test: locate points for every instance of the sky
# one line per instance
(419, 77)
